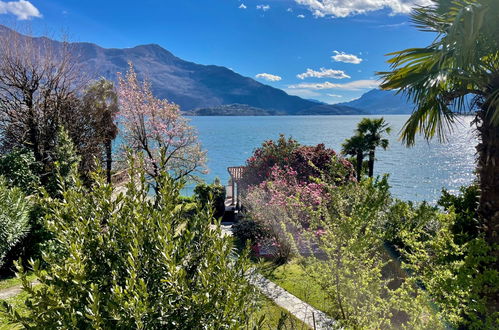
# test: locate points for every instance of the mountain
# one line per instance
(190, 85)
(378, 101)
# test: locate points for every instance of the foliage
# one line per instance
(212, 195)
(465, 205)
(307, 161)
(20, 169)
(157, 129)
(65, 163)
(452, 273)
(368, 136)
(132, 262)
(349, 262)
(14, 217)
(356, 146)
(461, 61)
(101, 100)
(373, 130)
(249, 230)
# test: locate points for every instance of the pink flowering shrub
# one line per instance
(285, 206)
(307, 161)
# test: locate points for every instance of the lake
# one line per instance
(417, 173)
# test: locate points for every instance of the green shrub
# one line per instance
(211, 193)
(135, 262)
(248, 230)
(465, 205)
(14, 218)
(20, 169)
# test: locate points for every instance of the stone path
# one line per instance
(300, 309)
(10, 292)
(13, 291)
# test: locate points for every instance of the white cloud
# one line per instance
(323, 73)
(345, 58)
(289, 10)
(334, 95)
(242, 6)
(263, 7)
(268, 77)
(305, 93)
(301, 16)
(350, 86)
(22, 9)
(344, 8)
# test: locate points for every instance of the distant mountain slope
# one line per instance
(230, 110)
(378, 101)
(188, 84)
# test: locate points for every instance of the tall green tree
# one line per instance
(373, 131)
(462, 60)
(356, 146)
(100, 98)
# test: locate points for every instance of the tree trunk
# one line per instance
(109, 160)
(371, 163)
(360, 160)
(488, 173)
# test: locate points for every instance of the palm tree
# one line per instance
(101, 97)
(356, 147)
(462, 60)
(373, 131)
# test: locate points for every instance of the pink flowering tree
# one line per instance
(157, 129)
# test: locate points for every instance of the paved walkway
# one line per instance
(300, 309)
(13, 291)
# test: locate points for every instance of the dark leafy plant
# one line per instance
(14, 217)
(249, 230)
(130, 262)
(211, 194)
(465, 205)
(20, 169)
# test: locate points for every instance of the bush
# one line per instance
(249, 230)
(308, 162)
(132, 262)
(211, 194)
(465, 205)
(20, 169)
(14, 218)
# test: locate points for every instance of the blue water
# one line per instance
(416, 173)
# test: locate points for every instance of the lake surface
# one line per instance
(417, 173)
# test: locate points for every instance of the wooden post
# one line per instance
(233, 192)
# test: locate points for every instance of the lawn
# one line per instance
(13, 281)
(273, 316)
(18, 303)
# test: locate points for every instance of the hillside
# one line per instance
(190, 85)
(378, 101)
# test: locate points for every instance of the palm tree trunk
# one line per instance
(109, 160)
(488, 172)
(371, 163)
(360, 160)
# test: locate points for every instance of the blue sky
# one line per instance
(327, 50)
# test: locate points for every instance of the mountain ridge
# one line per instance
(188, 84)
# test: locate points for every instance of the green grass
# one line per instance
(292, 278)
(13, 281)
(273, 316)
(18, 303)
